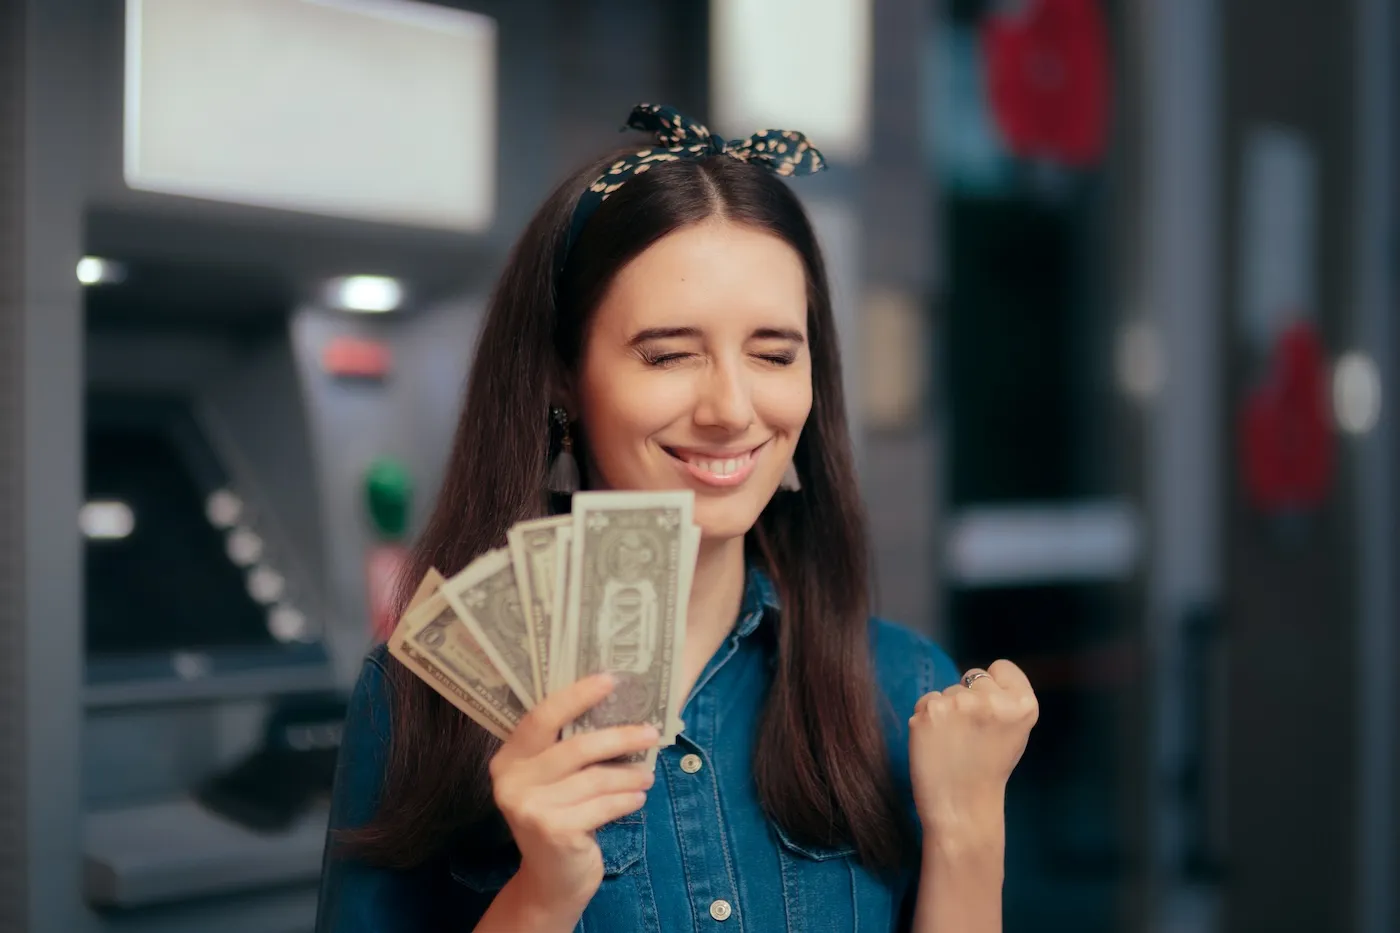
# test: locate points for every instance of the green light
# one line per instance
(389, 495)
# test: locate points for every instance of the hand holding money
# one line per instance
(555, 793)
(602, 590)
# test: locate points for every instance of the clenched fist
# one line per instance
(964, 743)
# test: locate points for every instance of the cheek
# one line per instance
(621, 410)
(785, 404)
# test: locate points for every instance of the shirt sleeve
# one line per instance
(907, 665)
(356, 897)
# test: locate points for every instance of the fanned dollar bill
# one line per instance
(433, 643)
(487, 600)
(676, 706)
(539, 566)
(626, 614)
(559, 618)
(426, 587)
(606, 588)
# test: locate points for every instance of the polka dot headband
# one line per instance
(782, 152)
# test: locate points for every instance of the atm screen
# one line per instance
(172, 564)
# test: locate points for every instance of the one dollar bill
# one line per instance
(626, 613)
(434, 644)
(538, 552)
(487, 600)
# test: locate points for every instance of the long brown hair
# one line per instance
(820, 764)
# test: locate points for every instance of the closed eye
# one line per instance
(663, 360)
(778, 359)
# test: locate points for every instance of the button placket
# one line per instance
(700, 828)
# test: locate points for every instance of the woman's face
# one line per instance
(696, 372)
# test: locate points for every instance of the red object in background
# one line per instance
(356, 358)
(383, 571)
(1048, 78)
(1286, 433)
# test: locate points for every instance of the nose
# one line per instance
(725, 400)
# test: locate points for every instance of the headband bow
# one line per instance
(783, 152)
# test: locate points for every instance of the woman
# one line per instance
(665, 318)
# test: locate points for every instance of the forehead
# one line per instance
(710, 274)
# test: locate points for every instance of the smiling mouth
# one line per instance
(721, 470)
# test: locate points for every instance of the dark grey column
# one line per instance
(1372, 332)
(1179, 224)
(1291, 606)
(13, 880)
(899, 462)
(50, 139)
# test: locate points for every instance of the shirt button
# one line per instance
(721, 910)
(690, 764)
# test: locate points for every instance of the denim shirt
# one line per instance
(700, 855)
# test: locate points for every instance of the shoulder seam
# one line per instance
(375, 659)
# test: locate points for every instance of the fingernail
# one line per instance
(651, 733)
(609, 680)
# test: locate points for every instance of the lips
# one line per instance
(716, 467)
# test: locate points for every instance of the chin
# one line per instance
(724, 521)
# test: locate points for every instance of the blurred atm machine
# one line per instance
(234, 412)
(225, 541)
(228, 439)
(205, 604)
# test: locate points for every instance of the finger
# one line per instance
(540, 727)
(589, 815)
(589, 748)
(929, 706)
(1009, 677)
(600, 781)
(977, 679)
(960, 699)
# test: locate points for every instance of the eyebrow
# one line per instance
(673, 333)
(780, 333)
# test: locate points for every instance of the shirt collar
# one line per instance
(759, 595)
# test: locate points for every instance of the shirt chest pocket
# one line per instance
(624, 901)
(826, 890)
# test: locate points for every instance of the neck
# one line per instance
(718, 589)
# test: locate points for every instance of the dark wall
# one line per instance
(1290, 593)
(12, 829)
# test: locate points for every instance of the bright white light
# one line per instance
(266, 585)
(795, 65)
(287, 624)
(192, 665)
(358, 79)
(244, 547)
(365, 293)
(1356, 393)
(1138, 360)
(1031, 544)
(94, 271)
(89, 270)
(223, 509)
(106, 520)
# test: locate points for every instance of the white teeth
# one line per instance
(721, 467)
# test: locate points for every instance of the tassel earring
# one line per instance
(563, 473)
(790, 482)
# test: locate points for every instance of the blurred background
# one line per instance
(1115, 283)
